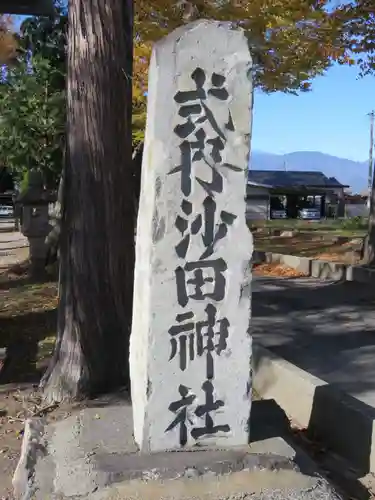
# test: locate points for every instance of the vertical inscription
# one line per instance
(202, 141)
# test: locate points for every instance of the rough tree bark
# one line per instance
(97, 230)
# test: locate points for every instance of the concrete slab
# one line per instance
(302, 264)
(322, 327)
(245, 485)
(317, 408)
(335, 271)
(318, 363)
(91, 455)
(325, 270)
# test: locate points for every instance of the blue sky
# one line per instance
(331, 118)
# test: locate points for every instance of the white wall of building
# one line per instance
(356, 210)
(257, 203)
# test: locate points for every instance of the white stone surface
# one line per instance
(32, 448)
(157, 371)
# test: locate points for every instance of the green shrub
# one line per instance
(354, 223)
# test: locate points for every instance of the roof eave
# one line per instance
(291, 186)
(259, 184)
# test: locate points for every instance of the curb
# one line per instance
(32, 447)
(335, 271)
(344, 423)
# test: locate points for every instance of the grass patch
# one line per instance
(306, 245)
(356, 226)
(28, 318)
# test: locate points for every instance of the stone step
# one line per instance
(92, 455)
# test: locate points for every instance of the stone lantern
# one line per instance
(34, 203)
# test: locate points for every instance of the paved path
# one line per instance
(325, 328)
(13, 245)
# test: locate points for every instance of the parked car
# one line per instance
(309, 214)
(278, 214)
(6, 211)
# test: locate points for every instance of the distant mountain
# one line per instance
(352, 173)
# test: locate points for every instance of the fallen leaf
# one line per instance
(277, 270)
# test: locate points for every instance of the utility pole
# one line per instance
(370, 159)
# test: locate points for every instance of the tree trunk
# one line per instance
(368, 254)
(97, 231)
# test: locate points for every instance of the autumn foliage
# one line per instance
(8, 42)
(142, 52)
(291, 41)
(358, 32)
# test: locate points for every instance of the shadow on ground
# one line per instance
(326, 329)
(24, 280)
(268, 420)
(20, 336)
(28, 317)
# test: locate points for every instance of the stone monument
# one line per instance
(34, 203)
(190, 345)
